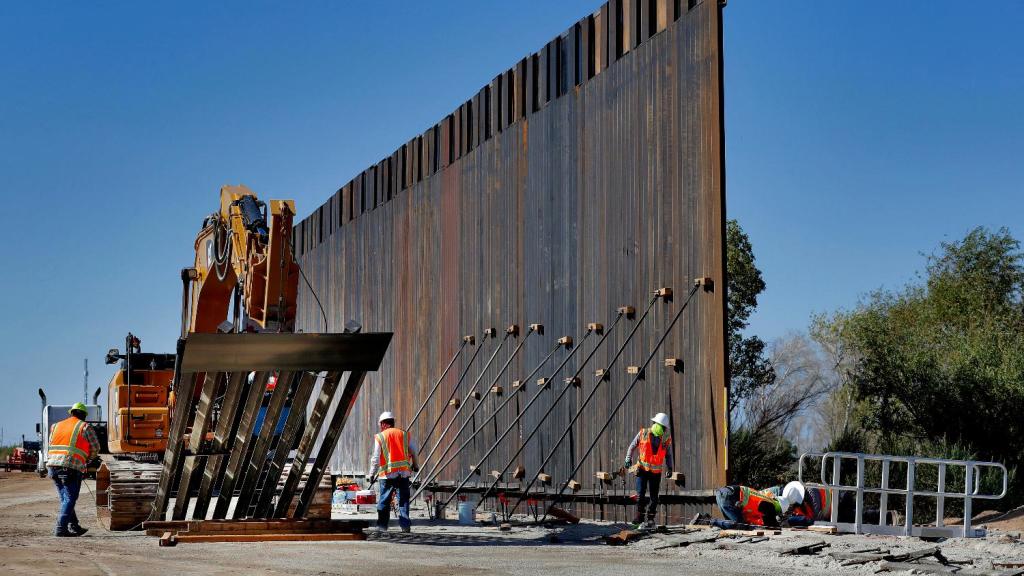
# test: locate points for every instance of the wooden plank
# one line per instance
(563, 515)
(257, 461)
(233, 470)
(211, 538)
(890, 566)
(173, 460)
(200, 426)
(348, 397)
(624, 537)
(296, 419)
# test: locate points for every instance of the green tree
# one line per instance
(757, 457)
(940, 362)
(749, 369)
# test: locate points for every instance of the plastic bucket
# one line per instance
(467, 515)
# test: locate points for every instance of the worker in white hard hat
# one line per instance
(745, 505)
(653, 447)
(392, 462)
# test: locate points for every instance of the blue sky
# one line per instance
(858, 136)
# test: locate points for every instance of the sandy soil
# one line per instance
(28, 506)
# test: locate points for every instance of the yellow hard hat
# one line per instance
(79, 407)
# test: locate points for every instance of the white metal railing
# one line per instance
(972, 470)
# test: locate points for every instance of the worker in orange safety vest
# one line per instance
(816, 505)
(746, 505)
(73, 444)
(392, 461)
(653, 447)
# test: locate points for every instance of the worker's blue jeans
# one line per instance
(728, 497)
(647, 483)
(68, 483)
(387, 489)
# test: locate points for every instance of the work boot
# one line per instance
(77, 530)
(406, 529)
(65, 533)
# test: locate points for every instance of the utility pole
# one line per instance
(85, 383)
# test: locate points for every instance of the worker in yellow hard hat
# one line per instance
(73, 444)
(653, 447)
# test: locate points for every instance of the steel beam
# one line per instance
(227, 422)
(200, 426)
(330, 441)
(251, 471)
(295, 421)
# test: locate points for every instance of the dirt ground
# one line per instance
(28, 506)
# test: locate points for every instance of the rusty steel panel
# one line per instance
(567, 207)
(600, 42)
(519, 84)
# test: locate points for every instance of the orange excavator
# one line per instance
(211, 427)
(244, 280)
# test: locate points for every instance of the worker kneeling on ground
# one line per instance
(653, 447)
(73, 444)
(393, 460)
(745, 505)
(816, 505)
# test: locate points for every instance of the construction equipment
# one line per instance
(53, 413)
(212, 424)
(25, 457)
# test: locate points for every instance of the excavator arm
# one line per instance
(244, 265)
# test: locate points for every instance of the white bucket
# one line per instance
(467, 515)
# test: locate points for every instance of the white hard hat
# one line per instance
(385, 416)
(660, 418)
(792, 494)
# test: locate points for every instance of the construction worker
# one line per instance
(73, 444)
(653, 446)
(816, 505)
(393, 460)
(745, 505)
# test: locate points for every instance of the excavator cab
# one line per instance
(138, 400)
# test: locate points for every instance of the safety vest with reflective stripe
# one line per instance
(394, 451)
(651, 460)
(67, 437)
(750, 504)
(817, 504)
